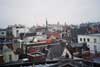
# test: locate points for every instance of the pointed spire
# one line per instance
(46, 22)
(46, 25)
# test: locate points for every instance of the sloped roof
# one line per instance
(55, 52)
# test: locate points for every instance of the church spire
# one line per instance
(46, 22)
(46, 25)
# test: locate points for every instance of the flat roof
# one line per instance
(97, 34)
(3, 29)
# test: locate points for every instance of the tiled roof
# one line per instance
(55, 52)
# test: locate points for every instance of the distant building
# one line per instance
(40, 30)
(32, 37)
(92, 40)
(54, 34)
(17, 29)
(55, 27)
(3, 34)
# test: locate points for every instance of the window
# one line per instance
(88, 40)
(80, 39)
(95, 40)
(17, 31)
(2, 32)
(84, 39)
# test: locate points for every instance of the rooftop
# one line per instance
(2, 29)
(97, 34)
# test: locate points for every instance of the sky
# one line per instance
(33, 12)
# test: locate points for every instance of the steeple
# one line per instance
(46, 25)
(46, 22)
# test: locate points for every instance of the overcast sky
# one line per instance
(30, 12)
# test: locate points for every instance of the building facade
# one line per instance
(17, 29)
(92, 40)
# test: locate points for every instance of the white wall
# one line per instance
(90, 37)
(91, 43)
(39, 33)
(28, 39)
(41, 37)
(36, 38)
(20, 30)
(4, 33)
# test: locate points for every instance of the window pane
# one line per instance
(80, 39)
(88, 40)
(94, 40)
(84, 39)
